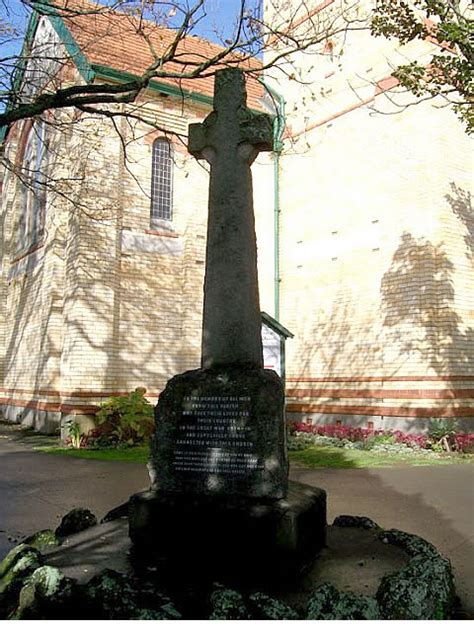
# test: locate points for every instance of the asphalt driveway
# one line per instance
(436, 503)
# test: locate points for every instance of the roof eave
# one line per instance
(107, 72)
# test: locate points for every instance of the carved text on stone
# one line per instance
(214, 436)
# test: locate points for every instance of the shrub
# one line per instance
(440, 428)
(442, 433)
(75, 435)
(126, 419)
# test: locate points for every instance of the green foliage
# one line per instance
(74, 434)
(448, 74)
(439, 428)
(393, 18)
(126, 419)
(443, 435)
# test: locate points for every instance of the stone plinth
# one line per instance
(221, 432)
(227, 535)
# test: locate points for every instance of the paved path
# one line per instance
(436, 503)
(37, 489)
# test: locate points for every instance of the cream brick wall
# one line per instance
(33, 286)
(375, 242)
(135, 320)
(112, 304)
(376, 264)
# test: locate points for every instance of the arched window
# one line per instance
(33, 185)
(161, 182)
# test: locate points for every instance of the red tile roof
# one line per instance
(123, 42)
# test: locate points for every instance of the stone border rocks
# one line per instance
(46, 594)
(422, 589)
(17, 566)
(360, 522)
(75, 521)
(112, 595)
(329, 604)
(43, 540)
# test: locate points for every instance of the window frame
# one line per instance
(34, 163)
(161, 189)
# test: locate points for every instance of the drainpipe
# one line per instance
(278, 129)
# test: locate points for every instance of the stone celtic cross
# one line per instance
(230, 138)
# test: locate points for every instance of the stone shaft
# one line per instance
(230, 139)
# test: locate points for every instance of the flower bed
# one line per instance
(302, 435)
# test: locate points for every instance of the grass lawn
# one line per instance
(131, 455)
(325, 456)
(312, 457)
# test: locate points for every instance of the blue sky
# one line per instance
(218, 24)
(221, 17)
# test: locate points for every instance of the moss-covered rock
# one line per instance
(17, 566)
(46, 594)
(227, 604)
(328, 603)
(424, 589)
(262, 606)
(361, 522)
(111, 595)
(75, 521)
(411, 544)
(43, 540)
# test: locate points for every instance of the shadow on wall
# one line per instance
(346, 344)
(109, 336)
(460, 202)
(422, 308)
(417, 318)
(89, 313)
(418, 296)
(29, 348)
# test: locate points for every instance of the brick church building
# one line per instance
(363, 220)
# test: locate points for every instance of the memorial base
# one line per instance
(221, 537)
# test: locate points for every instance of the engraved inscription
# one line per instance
(215, 436)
